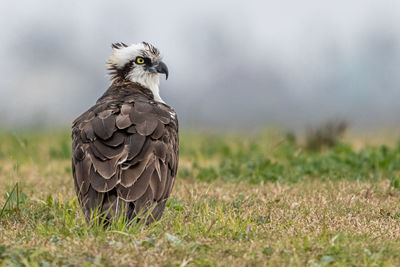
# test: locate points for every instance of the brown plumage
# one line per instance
(125, 153)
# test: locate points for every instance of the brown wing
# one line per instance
(126, 152)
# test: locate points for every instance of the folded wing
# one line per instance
(125, 153)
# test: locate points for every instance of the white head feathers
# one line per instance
(123, 65)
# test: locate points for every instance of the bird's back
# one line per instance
(125, 154)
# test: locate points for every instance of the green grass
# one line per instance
(260, 200)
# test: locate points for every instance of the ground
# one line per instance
(258, 200)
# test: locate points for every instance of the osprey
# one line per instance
(125, 147)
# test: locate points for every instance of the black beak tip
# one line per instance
(162, 68)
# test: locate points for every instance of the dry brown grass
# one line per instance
(312, 222)
(346, 222)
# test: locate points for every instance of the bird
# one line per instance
(125, 148)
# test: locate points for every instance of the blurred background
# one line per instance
(232, 65)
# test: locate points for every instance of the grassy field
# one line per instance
(260, 200)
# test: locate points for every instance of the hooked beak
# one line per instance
(160, 68)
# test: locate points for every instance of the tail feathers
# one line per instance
(114, 207)
(110, 207)
(156, 212)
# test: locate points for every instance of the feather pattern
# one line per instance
(125, 153)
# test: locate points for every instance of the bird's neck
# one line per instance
(150, 82)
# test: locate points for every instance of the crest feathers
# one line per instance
(118, 45)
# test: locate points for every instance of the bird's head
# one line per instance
(141, 63)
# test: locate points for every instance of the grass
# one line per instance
(260, 200)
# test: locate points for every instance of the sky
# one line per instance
(233, 64)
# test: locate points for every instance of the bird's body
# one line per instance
(125, 147)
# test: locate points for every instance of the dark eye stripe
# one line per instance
(147, 61)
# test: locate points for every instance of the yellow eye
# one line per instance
(139, 60)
